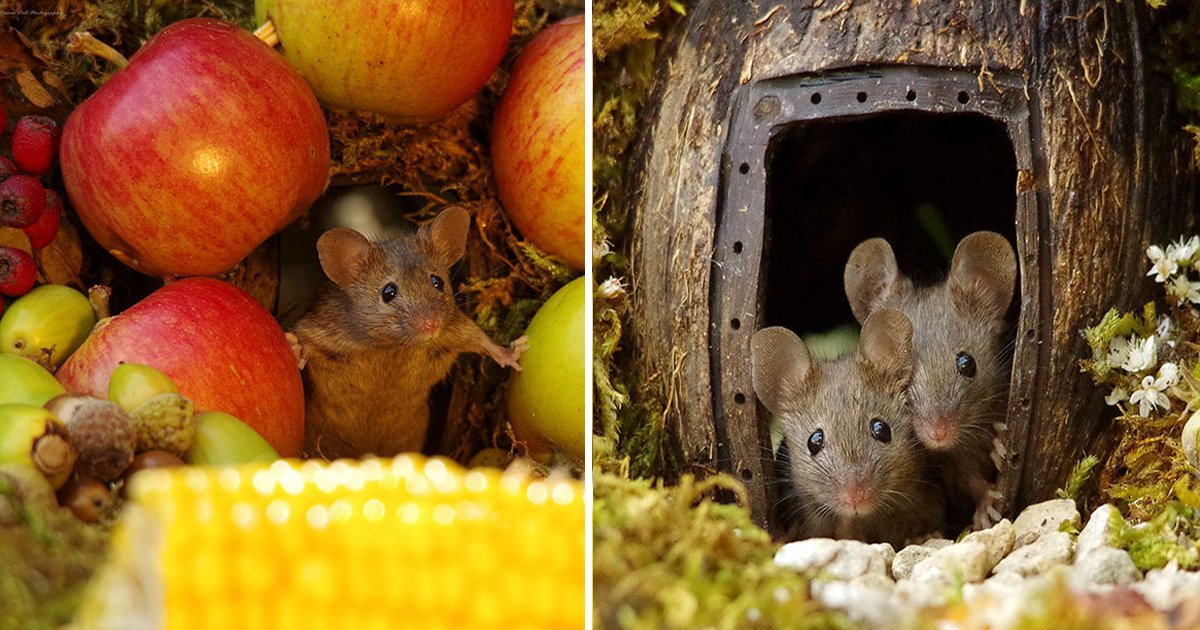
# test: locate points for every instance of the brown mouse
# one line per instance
(381, 333)
(854, 464)
(959, 391)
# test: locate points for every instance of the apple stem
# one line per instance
(268, 34)
(84, 42)
(98, 295)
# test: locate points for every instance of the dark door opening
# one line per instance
(920, 180)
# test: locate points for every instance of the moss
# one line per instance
(630, 410)
(1079, 476)
(47, 558)
(673, 558)
(1171, 536)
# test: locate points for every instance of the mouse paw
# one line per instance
(510, 356)
(986, 513)
(297, 350)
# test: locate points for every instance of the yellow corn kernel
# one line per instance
(405, 542)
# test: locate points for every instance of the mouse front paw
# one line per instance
(986, 513)
(297, 350)
(511, 356)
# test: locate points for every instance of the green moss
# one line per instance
(673, 558)
(630, 410)
(1079, 476)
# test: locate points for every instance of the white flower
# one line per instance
(1165, 331)
(1164, 265)
(1168, 376)
(1182, 251)
(1118, 395)
(1184, 289)
(1147, 397)
(1118, 352)
(1149, 394)
(610, 288)
(1142, 355)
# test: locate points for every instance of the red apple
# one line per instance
(538, 139)
(414, 60)
(202, 147)
(219, 346)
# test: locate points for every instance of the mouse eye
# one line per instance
(389, 292)
(881, 431)
(816, 441)
(437, 282)
(966, 364)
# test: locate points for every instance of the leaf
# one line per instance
(13, 237)
(61, 261)
(33, 89)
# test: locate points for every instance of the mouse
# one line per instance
(854, 469)
(959, 391)
(381, 332)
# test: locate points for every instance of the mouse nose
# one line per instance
(427, 325)
(937, 430)
(857, 496)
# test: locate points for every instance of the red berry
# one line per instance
(22, 200)
(35, 144)
(17, 272)
(46, 227)
(7, 168)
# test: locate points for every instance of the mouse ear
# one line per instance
(885, 355)
(782, 367)
(983, 275)
(447, 234)
(872, 278)
(342, 252)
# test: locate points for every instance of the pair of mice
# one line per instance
(381, 333)
(878, 440)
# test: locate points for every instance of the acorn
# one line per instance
(47, 324)
(166, 422)
(147, 461)
(132, 384)
(87, 498)
(34, 437)
(223, 439)
(162, 418)
(101, 433)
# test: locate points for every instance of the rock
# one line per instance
(937, 543)
(866, 600)
(948, 566)
(1043, 518)
(1168, 587)
(997, 540)
(1049, 550)
(907, 558)
(1099, 532)
(1105, 566)
(910, 595)
(999, 587)
(886, 551)
(837, 559)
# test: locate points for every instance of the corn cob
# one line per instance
(405, 542)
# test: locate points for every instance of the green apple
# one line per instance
(222, 439)
(25, 382)
(546, 398)
(47, 324)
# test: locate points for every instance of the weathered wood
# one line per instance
(1101, 173)
(258, 274)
